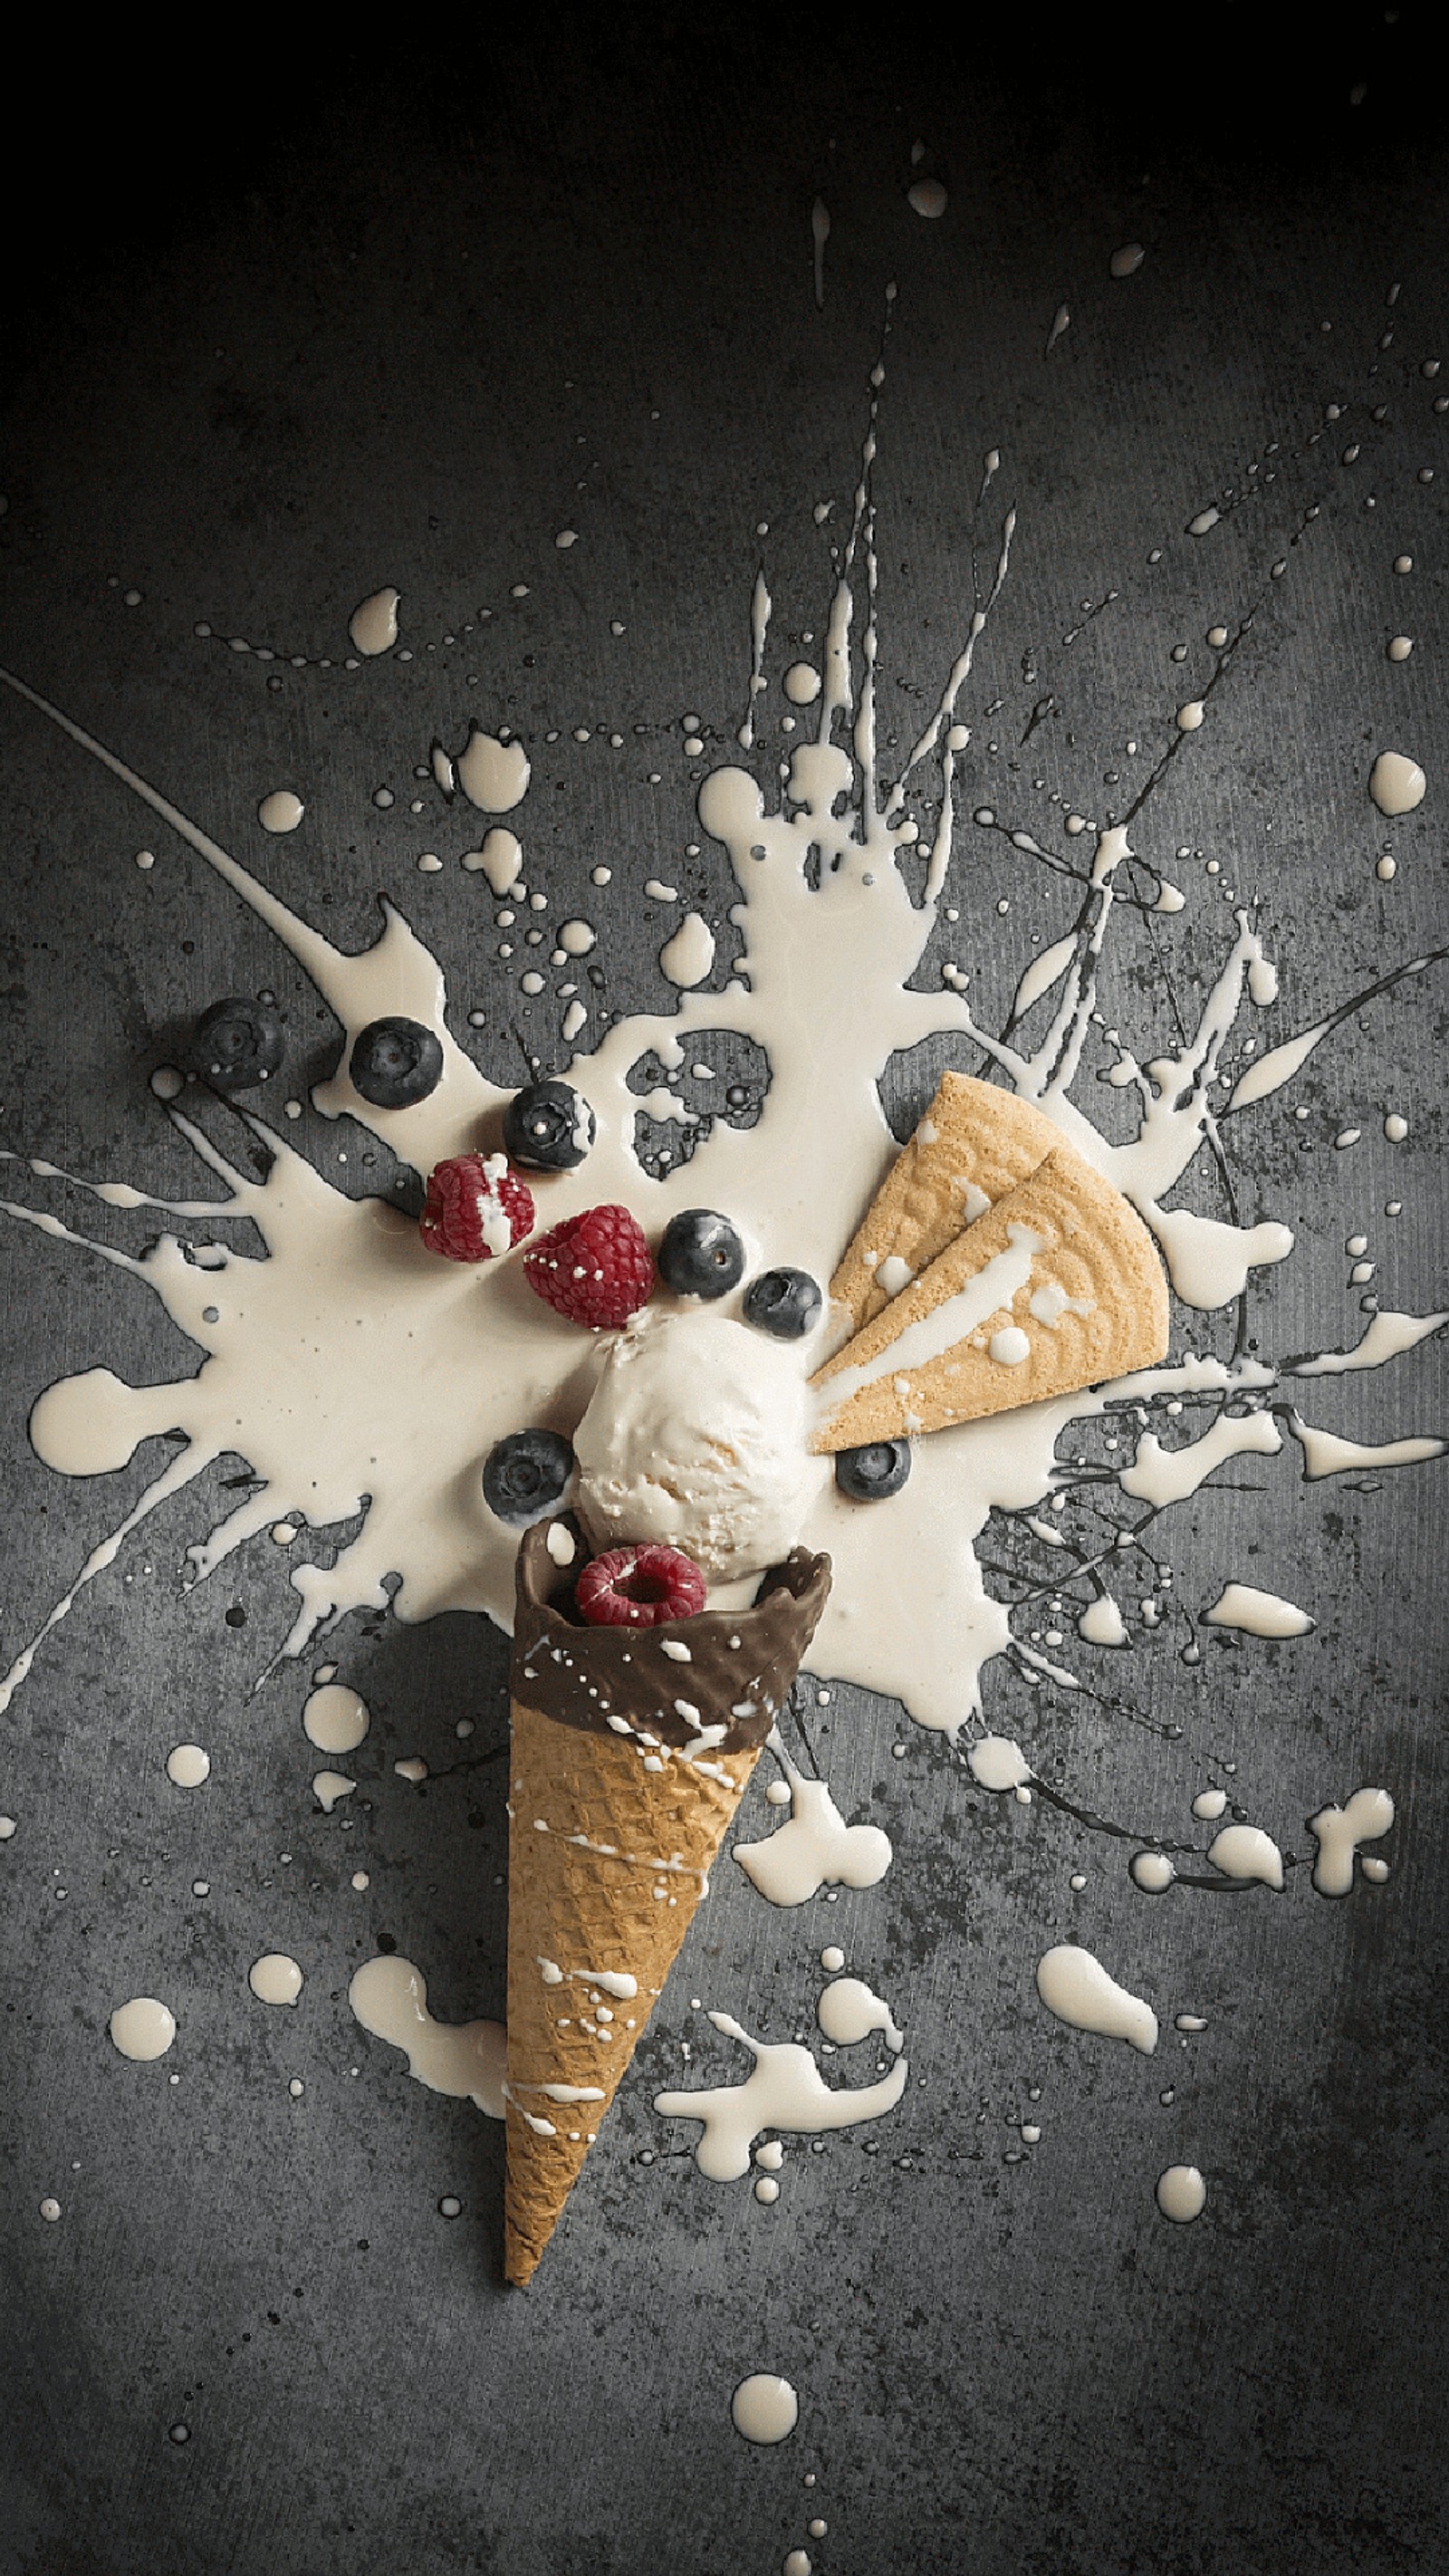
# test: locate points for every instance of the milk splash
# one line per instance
(332, 1364)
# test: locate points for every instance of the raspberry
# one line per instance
(475, 1208)
(639, 1587)
(595, 1268)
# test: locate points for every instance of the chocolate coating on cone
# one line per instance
(585, 1676)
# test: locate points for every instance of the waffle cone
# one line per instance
(578, 1909)
(1082, 1239)
(975, 1143)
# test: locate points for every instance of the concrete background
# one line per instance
(347, 321)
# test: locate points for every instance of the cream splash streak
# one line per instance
(334, 1363)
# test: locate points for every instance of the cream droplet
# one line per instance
(143, 2028)
(927, 197)
(373, 623)
(1396, 783)
(187, 1766)
(687, 958)
(274, 1978)
(1126, 261)
(1181, 2193)
(764, 2408)
(281, 811)
(1152, 1871)
(335, 1718)
(493, 775)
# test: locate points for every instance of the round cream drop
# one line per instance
(274, 1978)
(187, 1766)
(335, 1718)
(281, 811)
(927, 198)
(576, 938)
(1181, 2193)
(1152, 1871)
(764, 2408)
(1400, 647)
(143, 2028)
(1190, 716)
(1396, 783)
(999, 1764)
(801, 684)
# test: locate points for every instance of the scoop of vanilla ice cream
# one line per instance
(696, 1435)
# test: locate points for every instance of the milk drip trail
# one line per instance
(332, 1363)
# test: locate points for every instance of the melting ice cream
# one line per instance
(695, 1436)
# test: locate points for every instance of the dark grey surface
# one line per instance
(377, 332)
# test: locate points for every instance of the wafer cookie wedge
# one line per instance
(1059, 1286)
(974, 1144)
(627, 1766)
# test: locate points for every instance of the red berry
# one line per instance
(475, 1208)
(639, 1587)
(595, 1268)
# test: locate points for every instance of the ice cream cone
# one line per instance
(628, 1764)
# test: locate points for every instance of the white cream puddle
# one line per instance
(389, 1996)
(815, 1847)
(1161, 1476)
(331, 1363)
(1261, 1614)
(999, 1764)
(1246, 1852)
(1078, 1989)
(687, 958)
(187, 1766)
(786, 2090)
(848, 2011)
(1102, 1623)
(1340, 1832)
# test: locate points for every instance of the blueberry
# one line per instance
(526, 1475)
(548, 1127)
(237, 1044)
(395, 1063)
(786, 1303)
(874, 1473)
(701, 1255)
